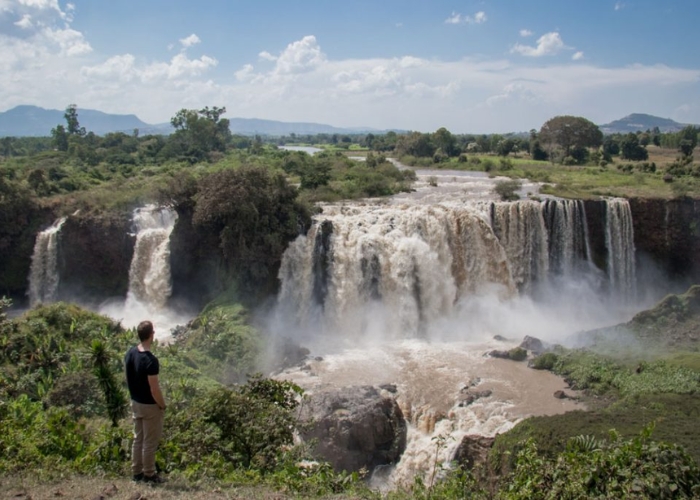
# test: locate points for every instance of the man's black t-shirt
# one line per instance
(139, 365)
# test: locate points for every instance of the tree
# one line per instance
(508, 190)
(630, 149)
(60, 137)
(71, 116)
(570, 132)
(688, 140)
(444, 140)
(198, 133)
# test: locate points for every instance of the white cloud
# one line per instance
(303, 84)
(620, 5)
(547, 44)
(577, 56)
(190, 41)
(71, 42)
(456, 18)
(525, 33)
(25, 23)
(266, 56)
(300, 56)
(479, 18)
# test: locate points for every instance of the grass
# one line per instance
(586, 182)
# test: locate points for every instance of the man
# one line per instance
(147, 404)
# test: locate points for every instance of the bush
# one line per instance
(636, 468)
(507, 189)
(545, 361)
(517, 354)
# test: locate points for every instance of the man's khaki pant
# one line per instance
(148, 427)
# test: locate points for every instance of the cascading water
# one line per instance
(43, 275)
(567, 230)
(149, 275)
(619, 238)
(411, 292)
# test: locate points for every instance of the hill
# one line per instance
(641, 121)
(34, 121)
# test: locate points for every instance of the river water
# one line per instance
(414, 289)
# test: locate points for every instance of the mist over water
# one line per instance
(412, 291)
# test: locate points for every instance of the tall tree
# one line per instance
(570, 132)
(71, 116)
(688, 140)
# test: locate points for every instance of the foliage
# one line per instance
(630, 149)
(114, 397)
(544, 361)
(223, 344)
(635, 468)
(570, 132)
(198, 133)
(246, 426)
(253, 214)
(507, 190)
(588, 371)
(517, 354)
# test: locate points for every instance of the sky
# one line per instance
(490, 66)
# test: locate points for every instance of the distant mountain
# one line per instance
(640, 121)
(35, 121)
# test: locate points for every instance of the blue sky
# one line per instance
(471, 66)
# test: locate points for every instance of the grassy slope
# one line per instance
(666, 338)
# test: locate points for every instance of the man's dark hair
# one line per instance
(145, 330)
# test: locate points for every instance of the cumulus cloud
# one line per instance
(577, 56)
(456, 18)
(267, 56)
(25, 22)
(300, 56)
(547, 44)
(525, 33)
(190, 41)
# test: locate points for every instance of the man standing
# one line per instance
(147, 404)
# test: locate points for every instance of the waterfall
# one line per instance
(521, 230)
(619, 239)
(149, 275)
(567, 228)
(43, 275)
(401, 268)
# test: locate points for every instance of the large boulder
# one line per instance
(355, 428)
(473, 450)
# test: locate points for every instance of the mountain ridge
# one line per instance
(34, 121)
(640, 122)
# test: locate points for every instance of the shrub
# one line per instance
(635, 468)
(507, 189)
(517, 354)
(545, 361)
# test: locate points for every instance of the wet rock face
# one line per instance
(668, 232)
(355, 428)
(473, 450)
(94, 256)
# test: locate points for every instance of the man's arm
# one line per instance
(155, 391)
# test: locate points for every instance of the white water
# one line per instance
(43, 275)
(411, 291)
(619, 236)
(149, 275)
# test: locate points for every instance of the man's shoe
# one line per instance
(137, 477)
(154, 479)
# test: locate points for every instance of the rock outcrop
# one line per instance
(94, 257)
(355, 428)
